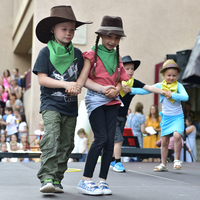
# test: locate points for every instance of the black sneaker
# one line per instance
(58, 187)
(47, 186)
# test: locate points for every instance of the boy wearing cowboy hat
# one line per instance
(58, 66)
(126, 96)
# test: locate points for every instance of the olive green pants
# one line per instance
(56, 144)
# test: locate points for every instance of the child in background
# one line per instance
(102, 65)
(14, 138)
(83, 145)
(23, 128)
(39, 132)
(13, 147)
(24, 149)
(172, 120)
(3, 140)
(10, 123)
(58, 67)
(24, 138)
(4, 149)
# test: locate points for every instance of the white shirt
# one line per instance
(81, 146)
(11, 128)
(22, 126)
(171, 109)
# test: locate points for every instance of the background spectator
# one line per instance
(15, 88)
(16, 76)
(191, 139)
(83, 145)
(39, 132)
(152, 120)
(4, 149)
(4, 94)
(3, 140)
(10, 123)
(22, 128)
(14, 102)
(136, 122)
(13, 147)
(6, 79)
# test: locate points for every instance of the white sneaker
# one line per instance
(89, 187)
(104, 187)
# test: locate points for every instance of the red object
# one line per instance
(129, 132)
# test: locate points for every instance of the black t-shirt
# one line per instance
(56, 98)
(122, 111)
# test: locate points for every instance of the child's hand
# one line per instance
(69, 85)
(105, 89)
(126, 89)
(75, 90)
(168, 94)
(111, 93)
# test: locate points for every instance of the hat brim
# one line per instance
(43, 28)
(104, 32)
(135, 62)
(178, 68)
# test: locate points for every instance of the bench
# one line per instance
(131, 148)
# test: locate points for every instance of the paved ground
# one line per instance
(19, 182)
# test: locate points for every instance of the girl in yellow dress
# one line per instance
(153, 119)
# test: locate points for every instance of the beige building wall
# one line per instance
(154, 28)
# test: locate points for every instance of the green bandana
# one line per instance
(109, 58)
(60, 57)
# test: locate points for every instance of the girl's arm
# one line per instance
(181, 94)
(190, 130)
(46, 81)
(90, 84)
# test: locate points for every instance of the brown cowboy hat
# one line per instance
(170, 63)
(59, 14)
(128, 59)
(111, 25)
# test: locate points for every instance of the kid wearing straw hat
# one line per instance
(172, 120)
(58, 66)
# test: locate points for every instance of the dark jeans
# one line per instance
(103, 122)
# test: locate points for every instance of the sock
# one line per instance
(113, 159)
(118, 160)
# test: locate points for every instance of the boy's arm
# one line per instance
(152, 88)
(181, 94)
(46, 81)
(144, 91)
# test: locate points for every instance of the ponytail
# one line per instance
(95, 57)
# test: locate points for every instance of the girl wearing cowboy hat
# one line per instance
(58, 66)
(126, 97)
(103, 66)
(172, 120)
